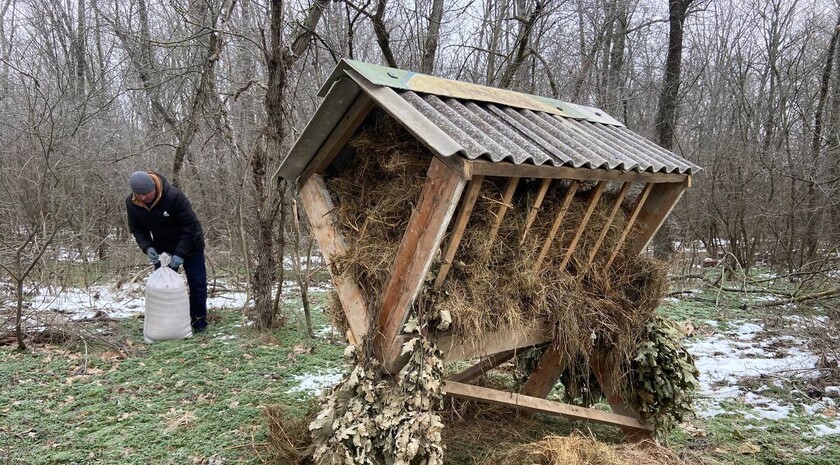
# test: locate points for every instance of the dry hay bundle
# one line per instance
(581, 450)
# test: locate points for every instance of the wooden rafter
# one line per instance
(532, 213)
(338, 138)
(558, 220)
(418, 247)
(460, 225)
(510, 189)
(631, 222)
(536, 404)
(319, 209)
(593, 201)
(606, 227)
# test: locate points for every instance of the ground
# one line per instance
(102, 396)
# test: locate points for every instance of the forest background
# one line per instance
(212, 93)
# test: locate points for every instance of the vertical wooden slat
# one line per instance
(458, 229)
(510, 188)
(318, 205)
(663, 198)
(618, 199)
(532, 214)
(425, 230)
(593, 201)
(631, 222)
(558, 220)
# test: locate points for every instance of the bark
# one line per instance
(281, 57)
(383, 37)
(522, 45)
(430, 45)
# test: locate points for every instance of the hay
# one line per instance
(583, 450)
(289, 440)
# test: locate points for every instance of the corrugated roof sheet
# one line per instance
(479, 122)
(498, 133)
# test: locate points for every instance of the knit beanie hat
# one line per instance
(141, 182)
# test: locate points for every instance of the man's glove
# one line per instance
(176, 262)
(153, 255)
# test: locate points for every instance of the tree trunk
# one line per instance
(666, 115)
(430, 44)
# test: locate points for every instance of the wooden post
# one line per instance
(545, 375)
(614, 396)
(318, 205)
(425, 230)
(458, 229)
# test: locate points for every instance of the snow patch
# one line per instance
(316, 383)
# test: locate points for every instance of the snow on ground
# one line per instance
(315, 383)
(747, 350)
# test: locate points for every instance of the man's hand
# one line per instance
(153, 255)
(176, 262)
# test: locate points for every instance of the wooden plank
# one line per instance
(545, 376)
(532, 214)
(662, 199)
(631, 222)
(457, 349)
(338, 138)
(467, 204)
(486, 364)
(418, 247)
(510, 189)
(318, 205)
(606, 227)
(535, 404)
(558, 220)
(593, 201)
(505, 169)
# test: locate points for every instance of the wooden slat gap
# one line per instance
(593, 201)
(532, 214)
(510, 189)
(631, 221)
(558, 220)
(461, 221)
(608, 223)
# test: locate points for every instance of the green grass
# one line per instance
(166, 403)
(202, 400)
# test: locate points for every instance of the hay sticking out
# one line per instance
(582, 450)
(374, 197)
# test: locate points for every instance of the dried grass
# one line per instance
(584, 450)
(289, 439)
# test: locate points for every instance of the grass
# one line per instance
(202, 400)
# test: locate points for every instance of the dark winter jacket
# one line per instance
(168, 224)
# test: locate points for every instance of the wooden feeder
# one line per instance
(475, 132)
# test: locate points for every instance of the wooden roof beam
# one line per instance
(505, 169)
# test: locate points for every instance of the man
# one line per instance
(162, 220)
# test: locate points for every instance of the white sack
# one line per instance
(167, 305)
